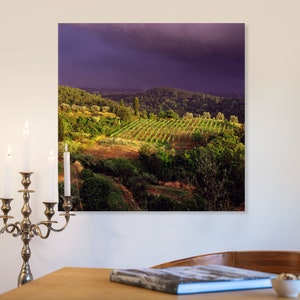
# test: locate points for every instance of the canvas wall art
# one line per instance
(153, 115)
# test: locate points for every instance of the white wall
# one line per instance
(28, 91)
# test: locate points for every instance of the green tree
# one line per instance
(95, 193)
(124, 113)
(216, 170)
(61, 129)
(188, 115)
(230, 153)
(210, 191)
(233, 119)
(158, 161)
(152, 116)
(136, 106)
(206, 115)
(220, 116)
(95, 109)
(171, 114)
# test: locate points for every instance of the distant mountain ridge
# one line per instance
(130, 91)
(111, 91)
(165, 98)
(158, 99)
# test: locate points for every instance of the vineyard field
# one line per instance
(170, 131)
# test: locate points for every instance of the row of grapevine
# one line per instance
(169, 130)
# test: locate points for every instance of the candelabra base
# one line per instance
(25, 274)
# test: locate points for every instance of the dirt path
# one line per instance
(114, 151)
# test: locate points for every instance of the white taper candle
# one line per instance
(7, 174)
(67, 173)
(26, 154)
(51, 177)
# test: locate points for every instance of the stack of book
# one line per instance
(193, 279)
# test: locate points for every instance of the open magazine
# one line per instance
(193, 279)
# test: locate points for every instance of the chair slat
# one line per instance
(266, 261)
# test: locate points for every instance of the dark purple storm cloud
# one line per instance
(193, 56)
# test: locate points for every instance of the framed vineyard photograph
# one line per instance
(153, 115)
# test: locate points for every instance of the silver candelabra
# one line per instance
(26, 229)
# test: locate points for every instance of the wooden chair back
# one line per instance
(267, 261)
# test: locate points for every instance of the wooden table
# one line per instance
(90, 284)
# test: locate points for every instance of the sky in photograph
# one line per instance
(198, 57)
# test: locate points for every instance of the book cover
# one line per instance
(193, 279)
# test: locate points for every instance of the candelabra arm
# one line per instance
(62, 228)
(11, 228)
(37, 231)
(67, 206)
(49, 213)
(6, 209)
